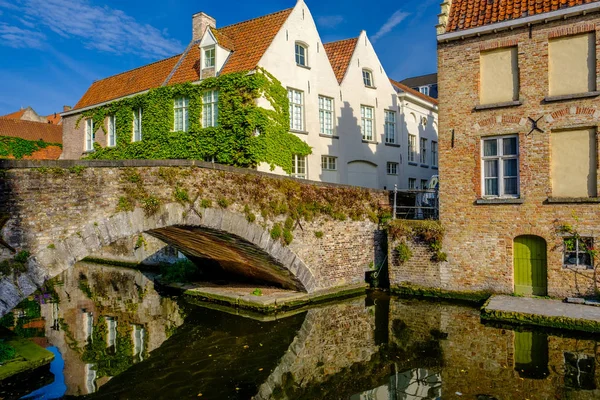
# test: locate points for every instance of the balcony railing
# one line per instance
(416, 204)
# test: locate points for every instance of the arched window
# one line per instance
(301, 54)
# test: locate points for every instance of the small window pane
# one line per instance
(510, 168)
(491, 187)
(491, 169)
(510, 146)
(490, 148)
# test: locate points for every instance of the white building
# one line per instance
(358, 123)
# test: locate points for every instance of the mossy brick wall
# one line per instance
(419, 270)
(65, 208)
(479, 238)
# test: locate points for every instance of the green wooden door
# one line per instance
(531, 355)
(531, 277)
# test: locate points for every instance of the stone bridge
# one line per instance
(294, 234)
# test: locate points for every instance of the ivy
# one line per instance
(19, 148)
(233, 142)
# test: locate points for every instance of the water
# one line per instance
(115, 337)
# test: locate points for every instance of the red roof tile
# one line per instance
(30, 130)
(416, 93)
(54, 118)
(467, 14)
(15, 115)
(339, 54)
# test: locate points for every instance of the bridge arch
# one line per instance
(210, 227)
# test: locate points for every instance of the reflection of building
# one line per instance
(138, 335)
(417, 384)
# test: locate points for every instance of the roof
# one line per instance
(249, 41)
(423, 80)
(15, 115)
(415, 93)
(54, 118)
(30, 130)
(339, 54)
(467, 14)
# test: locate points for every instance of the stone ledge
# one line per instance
(564, 97)
(483, 202)
(393, 145)
(573, 200)
(410, 290)
(498, 105)
(328, 136)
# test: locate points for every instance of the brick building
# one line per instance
(519, 111)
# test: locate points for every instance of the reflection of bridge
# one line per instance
(62, 212)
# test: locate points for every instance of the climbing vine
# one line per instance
(246, 134)
(430, 233)
(19, 148)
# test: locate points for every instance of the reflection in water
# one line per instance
(120, 339)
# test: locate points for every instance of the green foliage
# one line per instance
(257, 292)
(181, 195)
(319, 234)
(289, 223)
(77, 169)
(182, 271)
(250, 217)
(19, 148)
(223, 202)
(85, 288)
(51, 246)
(404, 252)
(22, 256)
(276, 232)
(232, 142)
(429, 232)
(125, 204)
(140, 242)
(151, 205)
(7, 352)
(16, 265)
(288, 237)
(206, 203)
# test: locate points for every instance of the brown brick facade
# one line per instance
(479, 237)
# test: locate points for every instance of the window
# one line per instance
(368, 78)
(209, 57)
(299, 166)
(296, 98)
(392, 168)
(390, 127)
(112, 132)
(89, 134)
(366, 122)
(424, 184)
(329, 163)
(137, 125)
(499, 76)
(434, 154)
(423, 151)
(412, 147)
(412, 183)
(210, 108)
(301, 51)
(501, 166)
(326, 115)
(580, 371)
(572, 64)
(424, 90)
(573, 163)
(578, 252)
(181, 114)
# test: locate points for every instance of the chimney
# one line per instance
(66, 108)
(200, 22)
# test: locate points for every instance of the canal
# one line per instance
(114, 336)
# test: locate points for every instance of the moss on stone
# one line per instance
(540, 320)
(477, 297)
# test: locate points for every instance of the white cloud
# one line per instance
(100, 28)
(390, 24)
(329, 21)
(16, 37)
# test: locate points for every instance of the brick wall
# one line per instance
(419, 270)
(479, 238)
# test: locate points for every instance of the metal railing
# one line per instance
(416, 204)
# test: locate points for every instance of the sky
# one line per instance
(52, 50)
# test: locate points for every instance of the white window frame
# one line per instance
(299, 162)
(390, 126)
(301, 56)
(326, 115)
(89, 135)
(500, 157)
(368, 78)
(412, 148)
(328, 163)
(392, 168)
(210, 108)
(210, 59)
(180, 106)
(366, 122)
(434, 153)
(111, 135)
(424, 90)
(296, 109)
(412, 183)
(423, 151)
(137, 125)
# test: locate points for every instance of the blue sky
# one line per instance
(52, 50)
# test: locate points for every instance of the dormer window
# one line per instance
(368, 78)
(209, 57)
(301, 54)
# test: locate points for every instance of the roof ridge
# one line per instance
(253, 19)
(140, 67)
(342, 40)
(416, 93)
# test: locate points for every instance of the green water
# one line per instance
(120, 339)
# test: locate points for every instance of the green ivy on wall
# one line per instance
(232, 142)
(19, 148)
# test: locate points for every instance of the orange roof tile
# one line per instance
(127, 83)
(15, 115)
(339, 54)
(416, 93)
(30, 130)
(188, 68)
(54, 118)
(48, 153)
(222, 39)
(467, 14)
